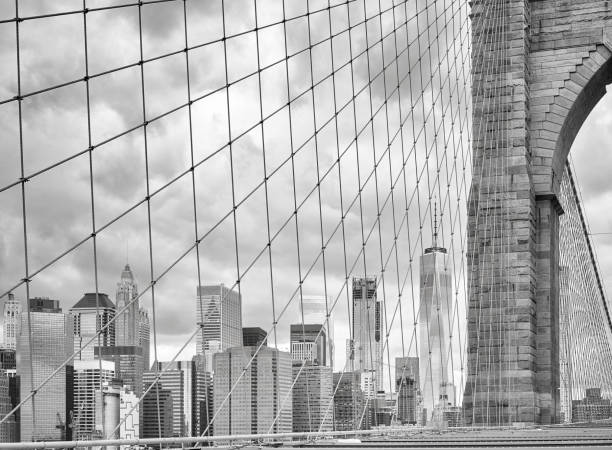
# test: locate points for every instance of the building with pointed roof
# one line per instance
(90, 314)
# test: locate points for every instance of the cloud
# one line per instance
(352, 191)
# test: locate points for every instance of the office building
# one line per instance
(50, 346)
(203, 398)
(308, 343)
(259, 397)
(8, 365)
(90, 314)
(407, 386)
(253, 336)
(315, 309)
(130, 353)
(128, 361)
(11, 314)
(144, 334)
(367, 331)
(312, 398)
(592, 407)
(157, 413)
(434, 318)
(89, 376)
(349, 401)
(8, 429)
(178, 377)
(219, 316)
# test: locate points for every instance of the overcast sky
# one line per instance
(58, 202)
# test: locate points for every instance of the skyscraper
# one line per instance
(219, 315)
(51, 344)
(259, 394)
(312, 398)
(367, 323)
(308, 343)
(348, 401)
(89, 375)
(8, 429)
(89, 315)
(407, 387)
(131, 350)
(178, 377)
(253, 336)
(202, 397)
(434, 319)
(12, 314)
(315, 309)
(157, 413)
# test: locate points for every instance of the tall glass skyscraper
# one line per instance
(219, 314)
(90, 315)
(50, 345)
(12, 314)
(434, 320)
(367, 331)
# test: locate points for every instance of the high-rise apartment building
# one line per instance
(367, 329)
(407, 387)
(349, 401)
(91, 314)
(259, 397)
(308, 343)
(12, 314)
(315, 309)
(434, 319)
(38, 355)
(312, 398)
(253, 336)
(89, 376)
(219, 316)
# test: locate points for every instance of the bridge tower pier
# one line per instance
(539, 67)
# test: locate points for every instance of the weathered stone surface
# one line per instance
(537, 75)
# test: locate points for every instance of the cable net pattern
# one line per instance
(288, 150)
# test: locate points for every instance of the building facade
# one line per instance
(315, 309)
(367, 329)
(308, 343)
(260, 400)
(8, 429)
(50, 346)
(435, 315)
(253, 336)
(157, 413)
(12, 319)
(91, 314)
(592, 407)
(89, 376)
(219, 316)
(128, 361)
(349, 401)
(407, 387)
(178, 377)
(312, 398)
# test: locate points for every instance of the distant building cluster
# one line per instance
(236, 383)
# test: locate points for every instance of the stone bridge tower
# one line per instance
(539, 68)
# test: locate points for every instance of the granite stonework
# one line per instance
(539, 68)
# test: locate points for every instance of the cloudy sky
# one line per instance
(432, 144)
